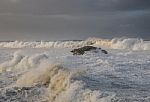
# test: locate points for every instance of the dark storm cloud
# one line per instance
(70, 6)
(73, 19)
(121, 5)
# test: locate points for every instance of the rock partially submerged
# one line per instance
(104, 51)
(82, 50)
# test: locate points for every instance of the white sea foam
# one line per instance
(61, 85)
(122, 43)
(115, 43)
(42, 44)
(84, 78)
(20, 62)
(130, 43)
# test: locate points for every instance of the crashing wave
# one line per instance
(55, 44)
(19, 62)
(62, 87)
(130, 43)
(122, 43)
(61, 84)
(115, 43)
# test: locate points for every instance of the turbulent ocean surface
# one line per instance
(48, 72)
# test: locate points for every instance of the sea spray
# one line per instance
(20, 62)
(17, 57)
(115, 43)
(41, 44)
(61, 84)
(38, 76)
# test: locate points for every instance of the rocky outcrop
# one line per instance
(104, 51)
(82, 50)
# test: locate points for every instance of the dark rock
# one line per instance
(104, 51)
(81, 51)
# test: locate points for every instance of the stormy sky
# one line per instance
(73, 19)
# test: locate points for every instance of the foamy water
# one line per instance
(55, 75)
(60, 83)
(115, 43)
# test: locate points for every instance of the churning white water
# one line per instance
(35, 74)
(115, 43)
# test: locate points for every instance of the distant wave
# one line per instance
(34, 44)
(130, 43)
(115, 43)
(122, 43)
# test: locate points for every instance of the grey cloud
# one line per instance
(71, 6)
(121, 5)
(76, 27)
(73, 19)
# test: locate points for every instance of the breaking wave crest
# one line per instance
(61, 84)
(130, 43)
(42, 44)
(115, 43)
(19, 62)
(122, 43)
(62, 87)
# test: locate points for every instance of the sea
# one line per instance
(46, 71)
